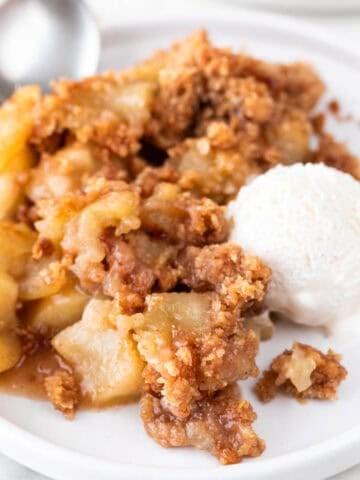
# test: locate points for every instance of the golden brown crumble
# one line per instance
(199, 360)
(302, 372)
(239, 279)
(219, 423)
(182, 218)
(137, 264)
(186, 365)
(62, 391)
(218, 116)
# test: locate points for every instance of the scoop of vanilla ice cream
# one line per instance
(303, 221)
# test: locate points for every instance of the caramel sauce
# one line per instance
(27, 377)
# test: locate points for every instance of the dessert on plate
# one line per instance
(124, 273)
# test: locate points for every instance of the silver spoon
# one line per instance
(41, 40)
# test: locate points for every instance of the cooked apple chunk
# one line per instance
(15, 155)
(10, 350)
(8, 299)
(213, 165)
(82, 240)
(10, 345)
(16, 128)
(60, 173)
(105, 358)
(16, 245)
(53, 313)
(10, 194)
(42, 278)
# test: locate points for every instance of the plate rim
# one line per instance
(55, 459)
(90, 467)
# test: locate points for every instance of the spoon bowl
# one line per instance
(41, 40)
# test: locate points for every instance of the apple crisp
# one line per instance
(118, 279)
(302, 372)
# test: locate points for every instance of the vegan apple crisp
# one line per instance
(117, 277)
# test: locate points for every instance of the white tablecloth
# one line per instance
(339, 24)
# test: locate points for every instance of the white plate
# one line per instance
(312, 441)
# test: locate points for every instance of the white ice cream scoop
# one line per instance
(303, 221)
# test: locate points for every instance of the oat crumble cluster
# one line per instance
(114, 239)
(302, 372)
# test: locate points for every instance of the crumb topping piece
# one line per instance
(220, 423)
(302, 372)
(62, 391)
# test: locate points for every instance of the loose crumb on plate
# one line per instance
(302, 372)
(334, 107)
(62, 391)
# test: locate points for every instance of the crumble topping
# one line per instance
(62, 391)
(220, 423)
(302, 372)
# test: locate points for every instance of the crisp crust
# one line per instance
(62, 391)
(200, 365)
(302, 372)
(71, 108)
(219, 351)
(239, 279)
(182, 403)
(219, 423)
(216, 116)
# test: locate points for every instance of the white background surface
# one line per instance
(338, 25)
